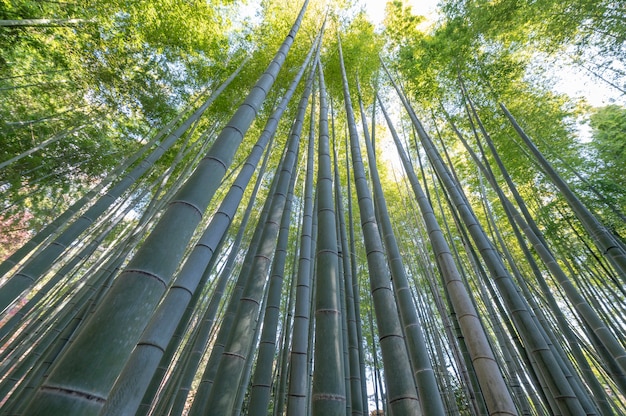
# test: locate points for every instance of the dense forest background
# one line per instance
(127, 129)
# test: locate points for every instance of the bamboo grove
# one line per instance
(328, 228)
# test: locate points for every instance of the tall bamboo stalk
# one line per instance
(353, 359)
(200, 401)
(494, 389)
(402, 395)
(297, 394)
(604, 240)
(430, 397)
(328, 395)
(261, 387)
(75, 386)
(222, 397)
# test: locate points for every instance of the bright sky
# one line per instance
(572, 81)
(376, 8)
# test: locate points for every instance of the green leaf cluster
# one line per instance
(100, 85)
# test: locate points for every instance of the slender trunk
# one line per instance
(41, 145)
(286, 337)
(45, 22)
(468, 372)
(402, 395)
(208, 319)
(495, 391)
(328, 395)
(356, 287)
(298, 392)
(427, 388)
(604, 240)
(311, 330)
